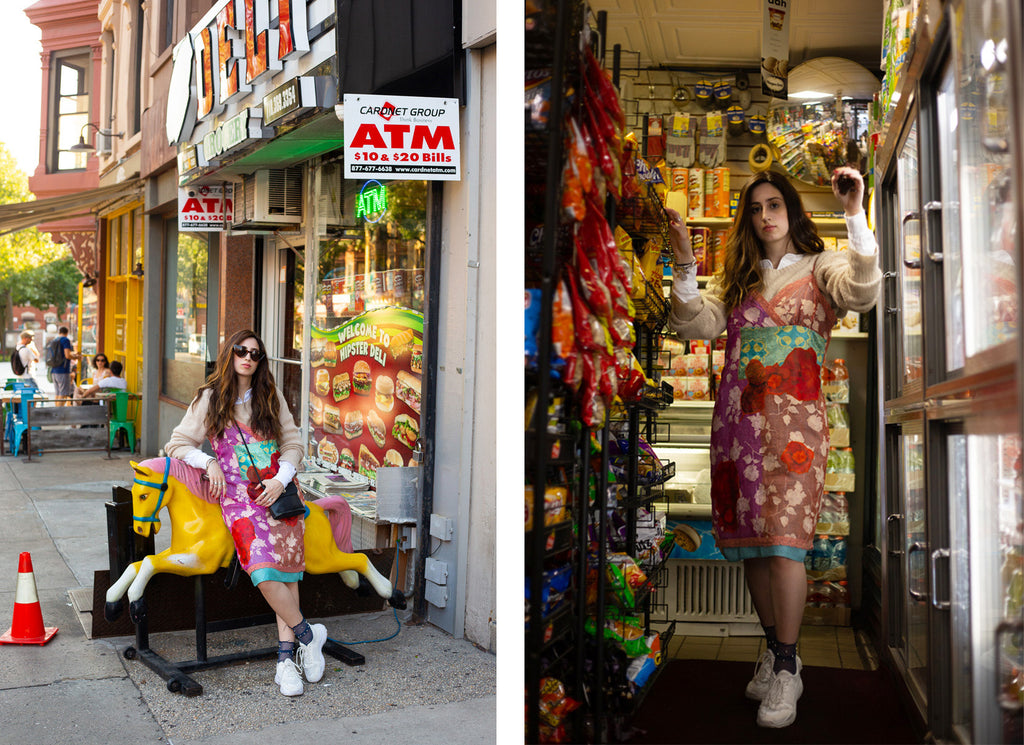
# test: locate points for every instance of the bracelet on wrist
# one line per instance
(685, 266)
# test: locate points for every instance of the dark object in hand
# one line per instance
(844, 184)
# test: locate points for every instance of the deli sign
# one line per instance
(237, 45)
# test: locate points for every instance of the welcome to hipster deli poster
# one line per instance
(365, 396)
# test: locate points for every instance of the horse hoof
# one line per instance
(365, 589)
(397, 599)
(112, 610)
(137, 610)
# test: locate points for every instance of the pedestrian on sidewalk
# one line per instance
(61, 372)
(245, 417)
(29, 355)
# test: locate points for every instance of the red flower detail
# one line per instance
(797, 457)
(755, 372)
(243, 533)
(752, 399)
(778, 378)
(804, 374)
(725, 488)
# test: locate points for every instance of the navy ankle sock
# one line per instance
(302, 631)
(285, 651)
(785, 658)
(770, 639)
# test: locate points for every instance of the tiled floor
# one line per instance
(819, 646)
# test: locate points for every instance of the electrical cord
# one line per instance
(370, 641)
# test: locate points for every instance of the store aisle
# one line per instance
(820, 646)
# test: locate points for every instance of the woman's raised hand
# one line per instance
(848, 186)
(679, 236)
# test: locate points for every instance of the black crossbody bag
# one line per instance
(289, 504)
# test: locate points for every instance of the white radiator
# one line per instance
(707, 591)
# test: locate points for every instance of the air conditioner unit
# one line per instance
(270, 197)
(337, 199)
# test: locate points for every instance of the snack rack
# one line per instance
(563, 454)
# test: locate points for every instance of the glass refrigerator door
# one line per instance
(996, 579)
(909, 205)
(990, 243)
(916, 554)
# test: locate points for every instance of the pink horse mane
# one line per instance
(183, 472)
(336, 508)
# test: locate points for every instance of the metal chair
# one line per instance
(121, 419)
(19, 424)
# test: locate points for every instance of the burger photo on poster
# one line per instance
(384, 386)
(346, 459)
(393, 458)
(353, 424)
(332, 419)
(342, 386)
(361, 378)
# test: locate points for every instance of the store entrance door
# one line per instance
(282, 308)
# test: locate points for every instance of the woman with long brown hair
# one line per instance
(776, 297)
(257, 451)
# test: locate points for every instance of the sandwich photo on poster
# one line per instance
(365, 400)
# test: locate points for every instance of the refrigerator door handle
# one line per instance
(909, 217)
(1007, 702)
(932, 206)
(921, 597)
(889, 522)
(939, 553)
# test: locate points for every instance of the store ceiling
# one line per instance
(725, 34)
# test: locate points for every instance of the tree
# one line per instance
(26, 256)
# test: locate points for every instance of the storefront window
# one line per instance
(190, 328)
(367, 330)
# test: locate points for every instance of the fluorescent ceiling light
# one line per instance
(810, 94)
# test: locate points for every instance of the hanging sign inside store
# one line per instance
(201, 208)
(365, 397)
(401, 137)
(775, 49)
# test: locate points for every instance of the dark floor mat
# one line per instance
(702, 701)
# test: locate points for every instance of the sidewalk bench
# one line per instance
(93, 432)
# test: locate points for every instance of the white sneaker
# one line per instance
(758, 686)
(311, 655)
(778, 709)
(288, 678)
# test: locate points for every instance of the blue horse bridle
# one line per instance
(162, 487)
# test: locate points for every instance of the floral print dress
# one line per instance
(769, 440)
(268, 549)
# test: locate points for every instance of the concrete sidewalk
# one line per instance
(422, 684)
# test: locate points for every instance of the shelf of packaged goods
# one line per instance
(561, 453)
(710, 222)
(655, 398)
(556, 625)
(558, 539)
(664, 638)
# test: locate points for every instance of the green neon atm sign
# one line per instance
(372, 201)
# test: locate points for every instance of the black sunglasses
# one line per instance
(100, 359)
(254, 354)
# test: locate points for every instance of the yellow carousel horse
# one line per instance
(201, 543)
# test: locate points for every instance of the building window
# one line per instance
(69, 109)
(167, 25)
(190, 323)
(137, 68)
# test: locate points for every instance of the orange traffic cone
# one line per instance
(27, 624)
